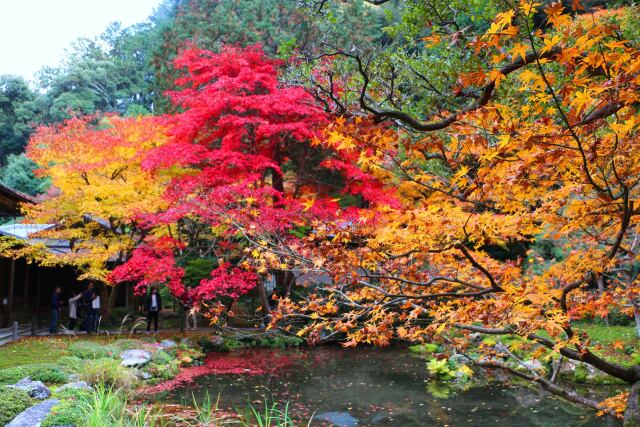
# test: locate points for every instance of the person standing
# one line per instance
(153, 307)
(95, 306)
(88, 324)
(191, 317)
(56, 304)
(73, 310)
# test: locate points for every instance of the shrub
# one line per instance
(47, 373)
(581, 374)
(71, 363)
(92, 350)
(12, 403)
(427, 348)
(162, 357)
(109, 372)
(129, 344)
(165, 371)
(68, 412)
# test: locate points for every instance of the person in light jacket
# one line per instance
(73, 310)
(153, 307)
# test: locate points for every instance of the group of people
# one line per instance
(87, 306)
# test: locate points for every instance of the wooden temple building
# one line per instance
(25, 289)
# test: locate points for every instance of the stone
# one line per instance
(501, 348)
(460, 359)
(142, 375)
(216, 340)
(168, 344)
(76, 385)
(186, 342)
(74, 377)
(135, 357)
(35, 389)
(339, 419)
(35, 415)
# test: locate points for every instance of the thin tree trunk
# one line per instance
(264, 300)
(632, 414)
(636, 316)
(600, 282)
(111, 301)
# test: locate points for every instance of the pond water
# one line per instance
(371, 387)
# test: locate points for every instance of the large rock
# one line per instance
(135, 357)
(76, 385)
(35, 389)
(34, 415)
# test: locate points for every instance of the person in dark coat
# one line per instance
(56, 305)
(153, 307)
(89, 322)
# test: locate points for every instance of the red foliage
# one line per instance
(226, 281)
(236, 363)
(236, 128)
(152, 264)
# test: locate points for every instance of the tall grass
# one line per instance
(270, 416)
(107, 407)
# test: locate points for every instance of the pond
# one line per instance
(370, 387)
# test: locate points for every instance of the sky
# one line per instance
(35, 33)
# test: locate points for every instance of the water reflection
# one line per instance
(380, 387)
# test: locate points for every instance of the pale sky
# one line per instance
(35, 33)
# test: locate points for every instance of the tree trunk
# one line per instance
(600, 282)
(636, 316)
(632, 414)
(264, 300)
(111, 301)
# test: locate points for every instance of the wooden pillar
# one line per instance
(26, 285)
(12, 274)
(38, 282)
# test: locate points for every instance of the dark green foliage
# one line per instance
(197, 269)
(18, 174)
(91, 350)
(279, 26)
(12, 403)
(18, 113)
(47, 373)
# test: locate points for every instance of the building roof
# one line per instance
(10, 200)
(23, 231)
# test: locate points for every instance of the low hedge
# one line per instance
(45, 372)
(12, 403)
(92, 350)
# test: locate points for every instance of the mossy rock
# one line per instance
(91, 350)
(426, 348)
(45, 372)
(12, 403)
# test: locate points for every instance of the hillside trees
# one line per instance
(281, 27)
